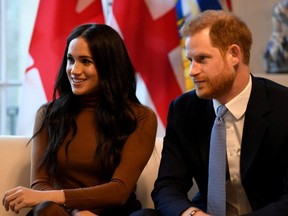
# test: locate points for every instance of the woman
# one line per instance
(92, 141)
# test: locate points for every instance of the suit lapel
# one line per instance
(254, 126)
(203, 117)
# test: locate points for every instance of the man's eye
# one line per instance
(189, 59)
(201, 59)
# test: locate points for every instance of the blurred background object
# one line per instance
(276, 54)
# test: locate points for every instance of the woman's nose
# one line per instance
(76, 69)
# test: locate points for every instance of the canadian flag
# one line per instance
(150, 31)
(55, 20)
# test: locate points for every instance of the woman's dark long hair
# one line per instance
(115, 120)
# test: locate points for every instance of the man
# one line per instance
(218, 46)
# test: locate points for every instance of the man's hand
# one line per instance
(198, 213)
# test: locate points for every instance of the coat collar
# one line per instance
(254, 126)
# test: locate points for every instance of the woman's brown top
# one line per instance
(81, 176)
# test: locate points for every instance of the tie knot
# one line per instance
(221, 110)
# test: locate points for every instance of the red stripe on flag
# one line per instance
(229, 4)
(149, 43)
(55, 20)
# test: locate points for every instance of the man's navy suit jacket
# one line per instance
(264, 151)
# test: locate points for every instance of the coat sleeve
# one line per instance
(174, 180)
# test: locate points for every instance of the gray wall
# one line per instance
(257, 15)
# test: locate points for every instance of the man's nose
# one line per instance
(194, 69)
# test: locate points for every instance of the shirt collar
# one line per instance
(237, 106)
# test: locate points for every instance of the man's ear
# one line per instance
(235, 52)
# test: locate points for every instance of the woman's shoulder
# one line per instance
(42, 109)
(141, 110)
(146, 118)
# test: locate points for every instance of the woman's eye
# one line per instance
(86, 61)
(70, 59)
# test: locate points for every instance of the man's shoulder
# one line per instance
(187, 96)
(190, 100)
(268, 83)
(268, 95)
(271, 89)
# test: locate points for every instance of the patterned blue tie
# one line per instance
(216, 203)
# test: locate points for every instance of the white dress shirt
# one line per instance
(234, 120)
